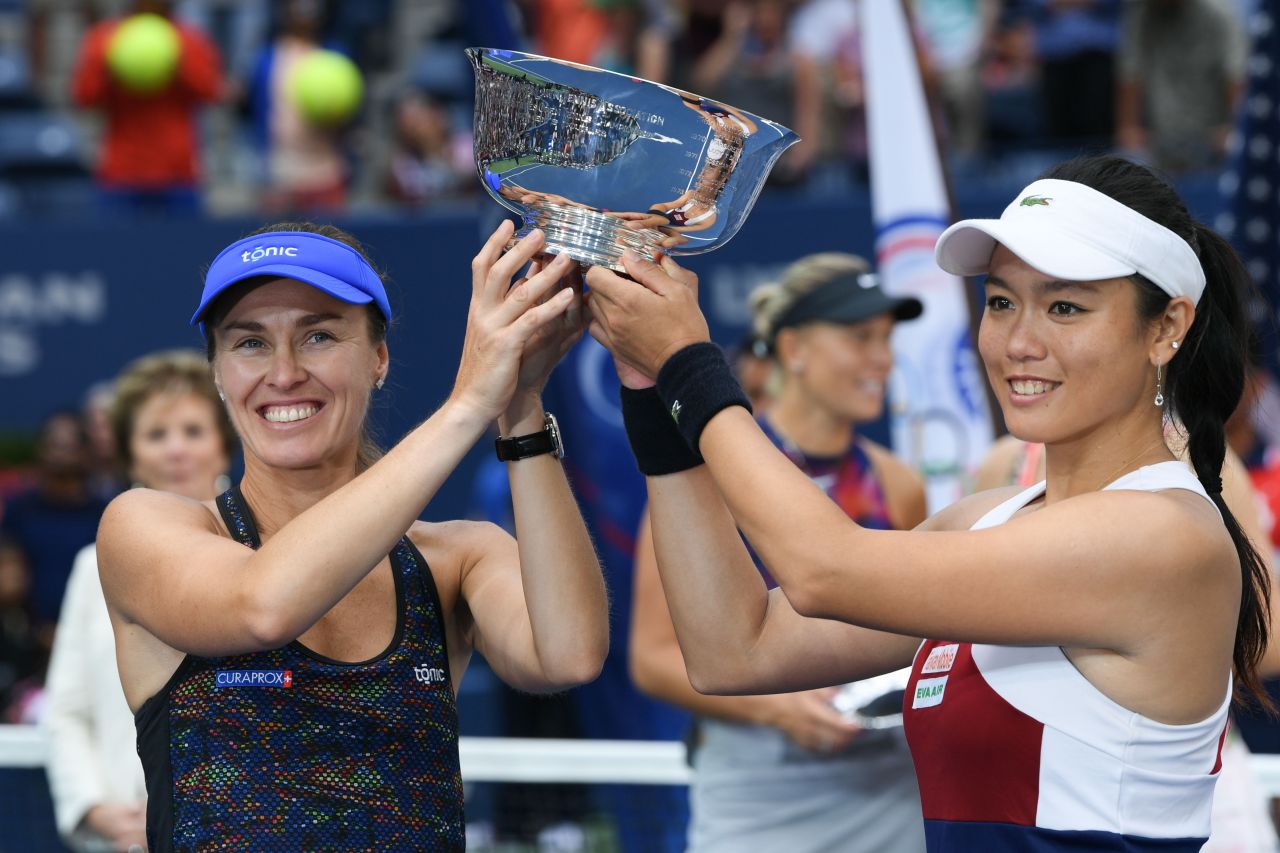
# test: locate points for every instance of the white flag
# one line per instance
(940, 420)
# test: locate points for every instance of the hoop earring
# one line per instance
(1159, 392)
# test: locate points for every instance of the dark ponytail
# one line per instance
(1205, 379)
(1203, 392)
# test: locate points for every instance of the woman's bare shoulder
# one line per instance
(137, 510)
(966, 512)
(144, 533)
(455, 533)
(458, 543)
(453, 549)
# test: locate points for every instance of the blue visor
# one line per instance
(326, 264)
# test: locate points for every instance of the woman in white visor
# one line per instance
(1087, 633)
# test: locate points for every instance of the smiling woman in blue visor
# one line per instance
(292, 648)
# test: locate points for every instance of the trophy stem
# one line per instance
(588, 236)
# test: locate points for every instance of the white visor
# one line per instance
(1075, 233)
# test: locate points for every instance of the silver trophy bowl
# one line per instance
(603, 162)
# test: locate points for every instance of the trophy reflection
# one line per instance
(603, 162)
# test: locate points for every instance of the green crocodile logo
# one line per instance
(1033, 200)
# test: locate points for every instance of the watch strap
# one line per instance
(524, 446)
(546, 440)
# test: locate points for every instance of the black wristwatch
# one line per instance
(534, 444)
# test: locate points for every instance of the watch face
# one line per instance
(553, 427)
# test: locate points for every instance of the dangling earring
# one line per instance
(378, 385)
(221, 483)
(1159, 392)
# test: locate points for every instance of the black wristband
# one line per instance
(655, 439)
(695, 384)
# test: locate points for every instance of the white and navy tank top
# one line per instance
(1016, 750)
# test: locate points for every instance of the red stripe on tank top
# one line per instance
(1222, 739)
(977, 757)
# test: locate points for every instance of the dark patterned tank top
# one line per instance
(848, 479)
(288, 750)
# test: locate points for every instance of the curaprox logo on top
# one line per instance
(254, 678)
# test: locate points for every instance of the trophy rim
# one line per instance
(475, 51)
(531, 216)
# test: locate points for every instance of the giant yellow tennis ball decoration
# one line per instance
(143, 53)
(327, 87)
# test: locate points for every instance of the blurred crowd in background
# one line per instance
(1155, 78)
(1035, 77)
